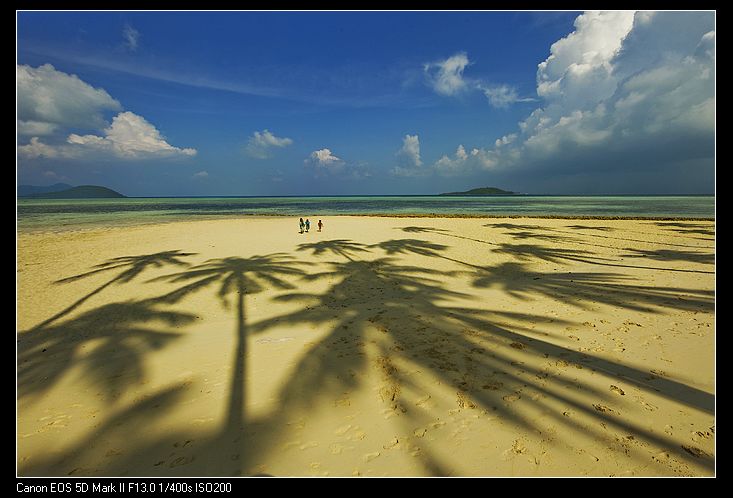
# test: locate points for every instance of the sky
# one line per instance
(350, 103)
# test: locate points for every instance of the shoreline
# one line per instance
(92, 227)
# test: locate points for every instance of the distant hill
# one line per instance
(25, 190)
(80, 192)
(483, 191)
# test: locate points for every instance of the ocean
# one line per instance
(68, 214)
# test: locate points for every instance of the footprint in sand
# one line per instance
(617, 390)
(493, 386)
(423, 400)
(309, 444)
(391, 444)
(464, 401)
(518, 447)
(358, 435)
(647, 406)
(342, 430)
(420, 432)
(371, 456)
(700, 435)
(518, 345)
(511, 398)
(343, 401)
(603, 408)
(181, 461)
(694, 451)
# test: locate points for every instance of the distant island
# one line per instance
(80, 192)
(26, 190)
(483, 191)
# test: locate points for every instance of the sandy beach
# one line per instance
(377, 347)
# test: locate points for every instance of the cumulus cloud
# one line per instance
(200, 175)
(409, 162)
(48, 98)
(623, 90)
(261, 142)
(131, 36)
(324, 157)
(446, 76)
(36, 149)
(50, 102)
(579, 69)
(36, 128)
(325, 163)
(129, 137)
(463, 162)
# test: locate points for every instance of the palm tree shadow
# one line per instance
(527, 252)
(560, 235)
(584, 289)
(131, 266)
(441, 231)
(239, 277)
(404, 310)
(706, 230)
(673, 255)
(108, 343)
(339, 247)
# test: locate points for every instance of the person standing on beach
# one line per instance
(307, 224)
(320, 225)
(301, 225)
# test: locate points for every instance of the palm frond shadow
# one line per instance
(707, 230)
(673, 255)
(235, 276)
(552, 233)
(131, 266)
(108, 343)
(396, 318)
(471, 349)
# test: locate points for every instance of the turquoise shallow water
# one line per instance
(57, 214)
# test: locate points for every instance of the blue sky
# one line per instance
(308, 103)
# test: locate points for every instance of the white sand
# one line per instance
(388, 346)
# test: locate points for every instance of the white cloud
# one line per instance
(36, 128)
(261, 142)
(325, 163)
(502, 96)
(131, 36)
(621, 87)
(446, 77)
(47, 97)
(464, 162)
(324, 157)
(579, 68)
(50, 101)
(36, 149)
(130, 137)
(200, 175)
(409, 157)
